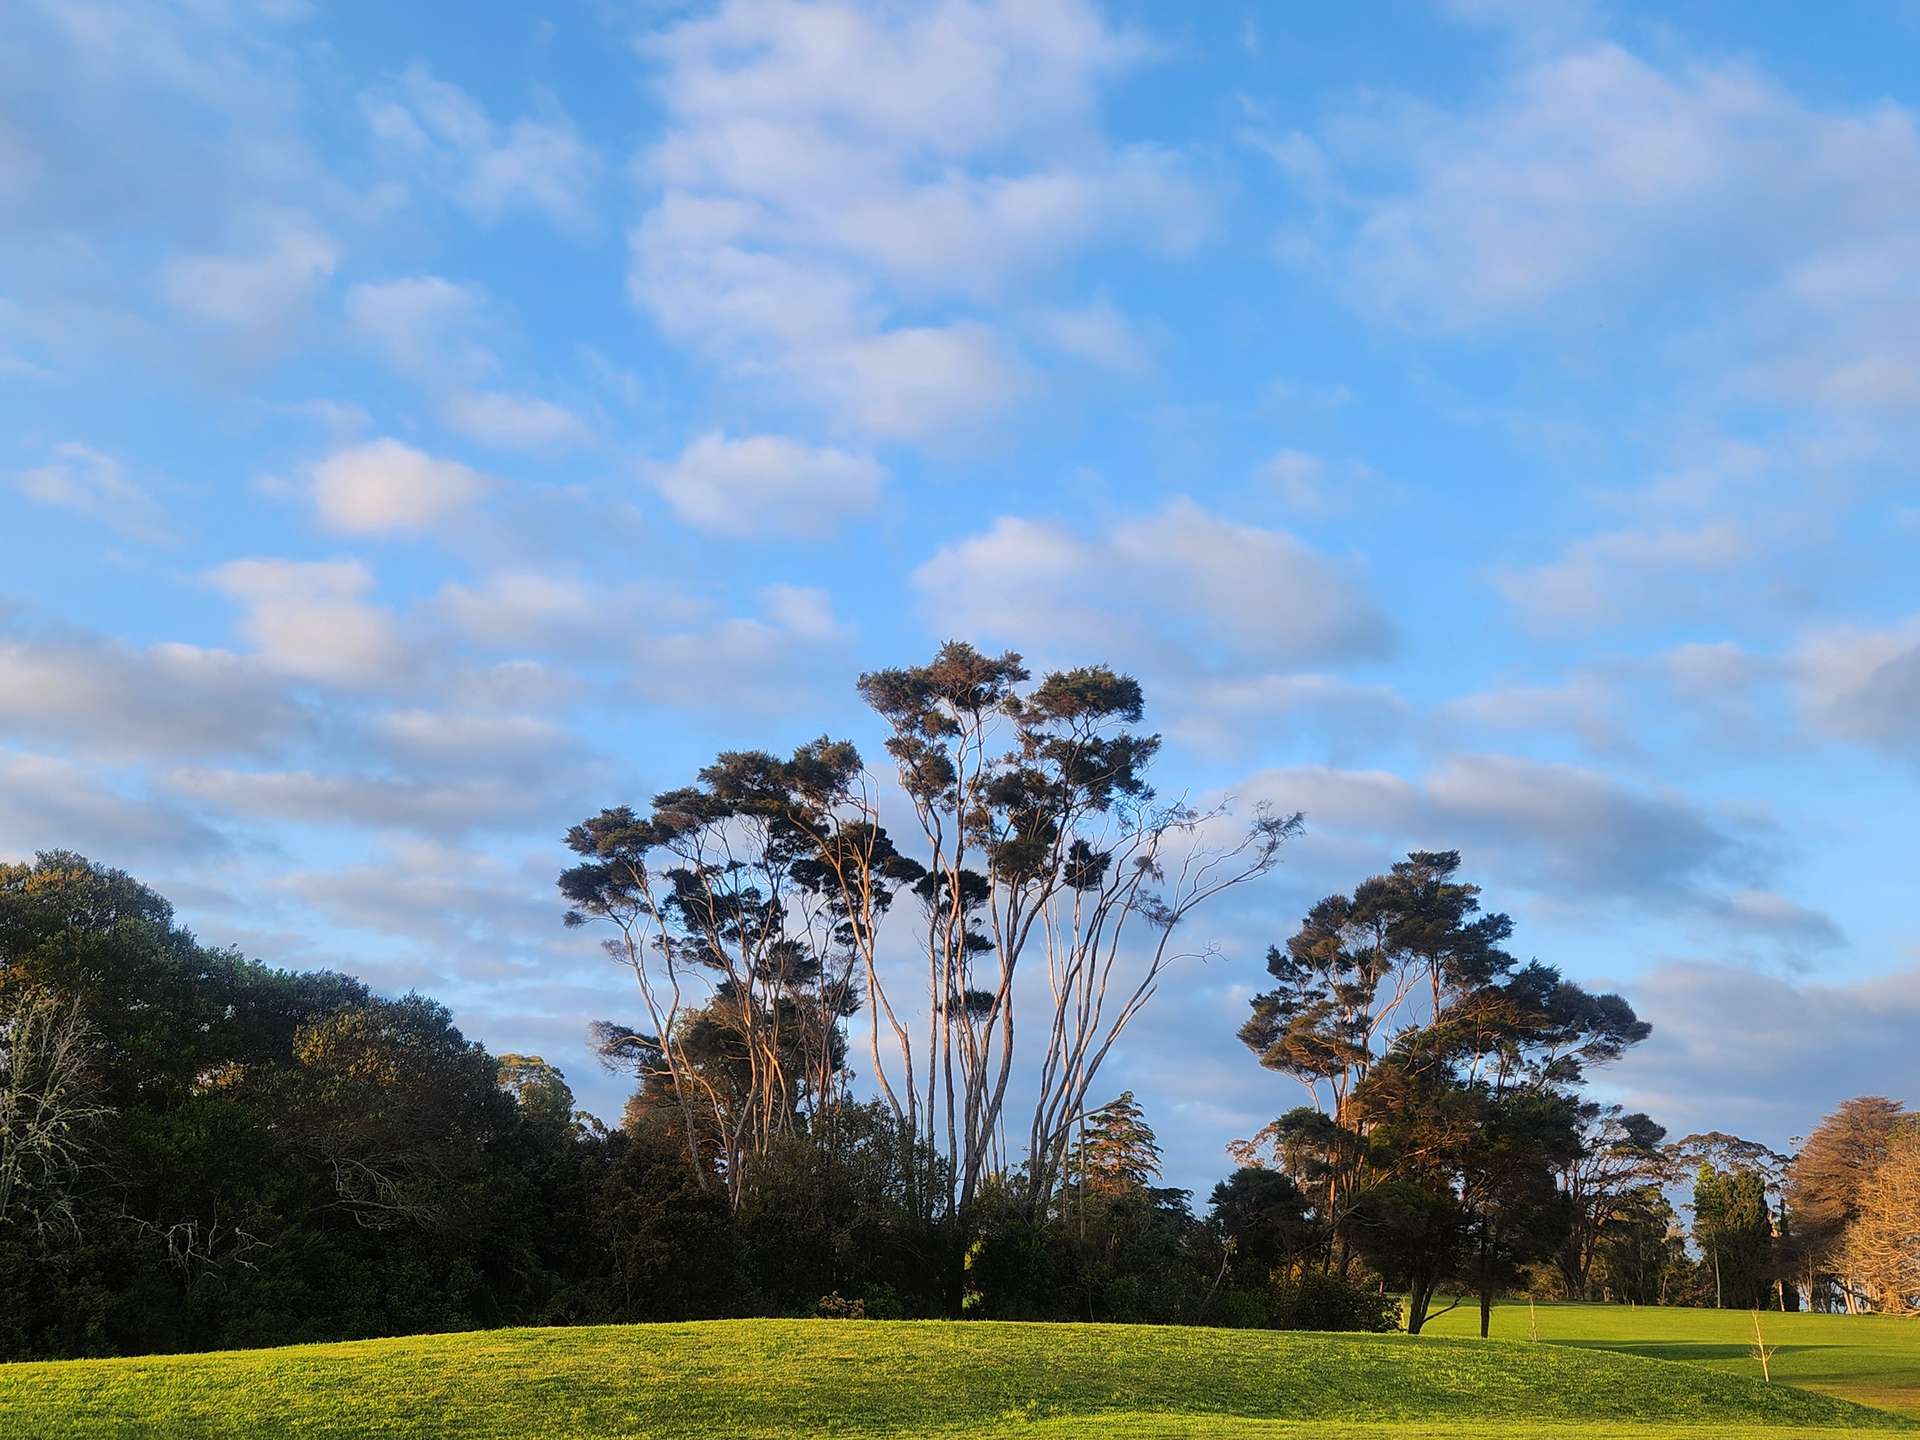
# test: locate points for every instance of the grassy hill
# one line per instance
(779, 1378)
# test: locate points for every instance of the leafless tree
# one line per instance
(48, 1108)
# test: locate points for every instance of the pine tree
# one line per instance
(1117, 1153)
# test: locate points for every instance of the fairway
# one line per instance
(777, 1378)
(1873, 1359)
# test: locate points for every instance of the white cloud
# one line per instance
(1574, 835)
(537, 164)
(310, 619)
(1862, 684)
(109, 697)
(95, 486)
(1707, 670)
(1098, 334)
(1765, 1055)
(432, 891)
(255, 292)
(514, 422)
(1233, 715)
(1629, 573)
(1794, 926)
(385, 802)
(454, 739)
(1584, 706)
(733, 663)
(49, 804)
(171, 131)
(383, 487)
(529, 609)
(761, 485)
(842, 185)
(1590, 168)
(423, 325)
(1297, 478)
(803, 610)
(918, 382)
(1181, 589)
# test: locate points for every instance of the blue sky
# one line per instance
(1478, 424)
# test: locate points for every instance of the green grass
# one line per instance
(1873, 1359)
(856, 1378)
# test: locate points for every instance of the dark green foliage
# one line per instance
(288, 1157)
(1445, 1071)
(1316, 1300)
(1734, 1231)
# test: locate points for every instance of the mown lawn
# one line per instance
(857, 1378)
(1873, 1359)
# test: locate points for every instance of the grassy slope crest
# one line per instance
(769, 1378)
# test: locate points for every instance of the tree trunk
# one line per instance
(1486, 1309)
(1419, 1296)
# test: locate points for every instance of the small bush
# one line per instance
(834, 1307)
(882, 1302)
(1326, 1302)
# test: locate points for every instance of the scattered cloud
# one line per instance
(1773, 916)
(384, 487)
(1584, 706)
(1240, 715)
(311, 619)
(528, 609)
(767, 485)
(515, 422)
(1182, 587)
(423, 325)
(1755, 1054)
(47, 803)
(1099, 335)
(94, 486)
(446, 807)
(1862, 684)
(1315, 488)
(1593, 167)
(1576, 836)
(535, 163)
(1631, 573)
(256, 292)
(841, 187)
(110, 698)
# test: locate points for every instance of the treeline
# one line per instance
(201, 1151)
(197, 1150)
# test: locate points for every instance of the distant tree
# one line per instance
(1619, 1155)
(1117, 1150)
(540, 1090)
(1734, 1230)
(1441, 1071)
(1825, 1183)
(745, 908)
(1641, 1247)
(1881, 1251)
(1265, 1216)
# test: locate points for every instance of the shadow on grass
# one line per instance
(1682, 1349)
